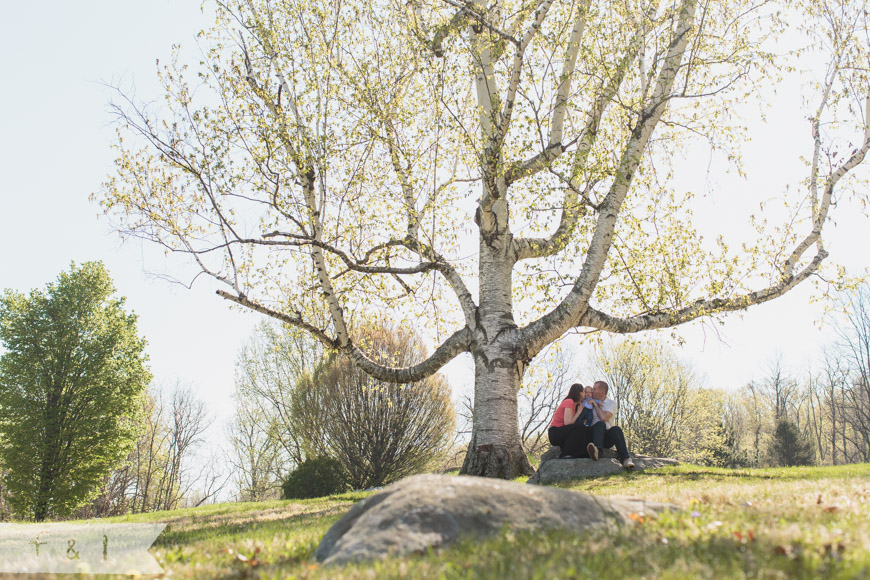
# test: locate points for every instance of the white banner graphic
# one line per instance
(79, 548)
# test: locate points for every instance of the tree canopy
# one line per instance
(501, 173)
(72, 379)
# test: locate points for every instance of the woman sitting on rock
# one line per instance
(566, 415)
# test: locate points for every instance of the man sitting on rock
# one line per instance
(604, 433)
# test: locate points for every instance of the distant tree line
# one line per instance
(82, 436)
(160, 472)
(782, 418)
(829, 408)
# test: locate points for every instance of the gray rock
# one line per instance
(553, 453)
(434, 510)
(554, 470)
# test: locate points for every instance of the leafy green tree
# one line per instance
(789, 446)
(71, 390)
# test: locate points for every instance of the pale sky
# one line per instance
(55, 137)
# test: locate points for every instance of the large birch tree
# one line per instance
(499, 172)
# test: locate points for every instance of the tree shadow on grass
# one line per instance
(748, 475)
(630, 552)
(699, 475)
(668, 474)
(228, 532)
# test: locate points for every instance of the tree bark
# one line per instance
(495, 449)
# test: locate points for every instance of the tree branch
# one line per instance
(567, 78)
(305, 167)
(412, 241)
(549, 327)
(517, 66)
(459, 342)
(295, 320)
(467, 10)
(572, 210)
(821, 207)
(655, 320)
(466, 300)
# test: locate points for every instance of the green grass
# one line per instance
(759, 523)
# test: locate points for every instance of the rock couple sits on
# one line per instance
(583, 425)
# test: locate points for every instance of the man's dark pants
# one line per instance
(572, 439)
(605, 438)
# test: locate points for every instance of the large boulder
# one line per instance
(553, 470)
(427, 511)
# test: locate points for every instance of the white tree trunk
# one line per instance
(495, 449)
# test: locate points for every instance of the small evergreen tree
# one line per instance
(789, 446)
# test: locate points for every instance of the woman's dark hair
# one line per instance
(575, 393)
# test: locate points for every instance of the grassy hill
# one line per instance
(759, 523)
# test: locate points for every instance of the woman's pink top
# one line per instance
(559, 417)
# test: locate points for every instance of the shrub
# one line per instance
(380, 432)
(316, 477)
